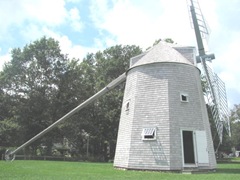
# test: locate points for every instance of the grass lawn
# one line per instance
(20, 169)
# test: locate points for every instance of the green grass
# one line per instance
(235, 159)
(81, 170)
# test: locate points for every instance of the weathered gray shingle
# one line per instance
(155, 81)
(161, 52)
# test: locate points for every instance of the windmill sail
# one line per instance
(216, 92)
(217, 101)
(204, 30)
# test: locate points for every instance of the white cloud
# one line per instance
(141, 23)
(208, 9)
(51, 13)
(74, 51)
(98, 9)
(29, 16)
(225, 42)
(73, 1)
(41, 11)
(101, 43)
(35, 19)
(75, 19)
(67, 46)
(228, 64)
(4, 59)
(31, 32)
(137, 22)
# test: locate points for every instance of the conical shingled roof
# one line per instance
(161, 52)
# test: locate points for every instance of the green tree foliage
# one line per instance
(99, 121)
(78, 86)
(235, 126)
(228, 142)
(111, 63)
(8, 124)
(39, 85)
(169, 40)
(226, 145)
(32, 81)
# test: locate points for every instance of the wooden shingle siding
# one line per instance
(153, 91)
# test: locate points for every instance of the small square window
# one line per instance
(149, 134)
(184, 97)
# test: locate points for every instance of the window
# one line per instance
(127, 106)
(149, 134)
(184, 97)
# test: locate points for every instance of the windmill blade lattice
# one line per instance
(217, 100)
(216, 92)
(203, 27)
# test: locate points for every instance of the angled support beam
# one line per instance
(9, 155)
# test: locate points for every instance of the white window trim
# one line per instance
(149, 131)
(186, 95)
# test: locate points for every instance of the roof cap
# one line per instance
(161, 52)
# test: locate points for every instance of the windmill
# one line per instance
(164, 123)
(215, 91)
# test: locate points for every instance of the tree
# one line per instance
(33, 78)
(78, 85)
(169, 40)
(40, 85)
(8, 124)
(235, 126)
(97, 123)
(228, 142)
(110, 64)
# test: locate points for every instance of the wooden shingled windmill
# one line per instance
(164, 121)
(215, 90)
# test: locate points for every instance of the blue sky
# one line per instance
(83, 26)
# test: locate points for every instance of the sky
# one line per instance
(85, 26)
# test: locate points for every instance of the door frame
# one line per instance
(194, 148)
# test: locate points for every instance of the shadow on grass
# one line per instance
(228, 162)
(227, 171)
(230, 167)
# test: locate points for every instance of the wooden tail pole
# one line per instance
(9, 155)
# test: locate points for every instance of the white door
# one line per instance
(201, 145)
